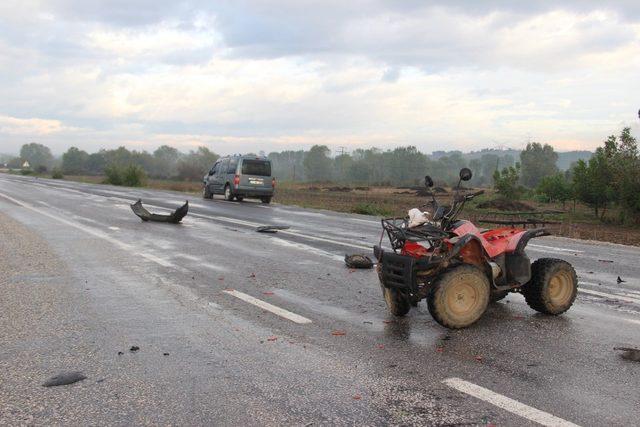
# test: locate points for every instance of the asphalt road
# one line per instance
(83, 279)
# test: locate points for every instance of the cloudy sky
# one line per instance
(271, 75)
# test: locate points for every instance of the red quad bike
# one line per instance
(459, 268)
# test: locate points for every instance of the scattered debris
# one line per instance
(632, 354)
(478, 358)
(338, 333)
(267, 293)
(358, 261)
(381, 346)
(64, 378)
(272, 339)
(620, 280)
(165, 354)
(134, 348)
(173, 218)
(357, 397)
(271, 228)
(362, 188)
(605, 260)
(120, 353)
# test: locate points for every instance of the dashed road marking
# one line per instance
(296, 318)
(610, 296)
(508, 404)
(553, 248)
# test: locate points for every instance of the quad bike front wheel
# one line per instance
(397, 302)
(459, 296)
(553, 286)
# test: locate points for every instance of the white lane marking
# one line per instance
(96, 233)
(635, 322)
(508, 404)
(610, 296)
(553, 248)
(114, 228)
(269, 307)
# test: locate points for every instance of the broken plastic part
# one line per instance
(271, 228)
(173, 218)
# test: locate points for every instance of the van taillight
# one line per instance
(273, 182)
(236, 180)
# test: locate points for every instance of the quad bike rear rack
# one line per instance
(522, 219)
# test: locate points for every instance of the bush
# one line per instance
(41, 169)
(56, 173)
(129, 176)
(370, 209)
(26, 171)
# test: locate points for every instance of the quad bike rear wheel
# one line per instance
(397, 302)
(459, 296)
(553, 286)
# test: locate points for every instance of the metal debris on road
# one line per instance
(271, 228)
(64, 378)
(173, 218)
(358, 261)
(632, 354)
(620, 280)
(134, 348)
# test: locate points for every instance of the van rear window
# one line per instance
(256, 167)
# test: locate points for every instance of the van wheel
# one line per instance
(459, 296)
(206, 194)
(239, 198)
(266, 200)
(228, 196)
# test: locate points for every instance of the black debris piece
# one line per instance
(358, 261)
(120, 353)
(172, 218)
(620, 280)
(64, 378)
(165, 354)
(134, 348)
(632, 354)
(271, 228)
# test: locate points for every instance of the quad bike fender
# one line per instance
(518, 245)
(469, 248)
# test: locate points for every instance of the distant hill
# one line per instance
(565, 158)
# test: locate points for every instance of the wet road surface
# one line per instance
(273, 329)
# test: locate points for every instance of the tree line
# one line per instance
(609, 177)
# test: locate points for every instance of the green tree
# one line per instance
(74, 161)
(165, 162)
(506, 182)
(317, 163)
(36, 154)
(194, 165)
(555, 188)
(537, 161)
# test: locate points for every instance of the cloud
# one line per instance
(264, 75)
